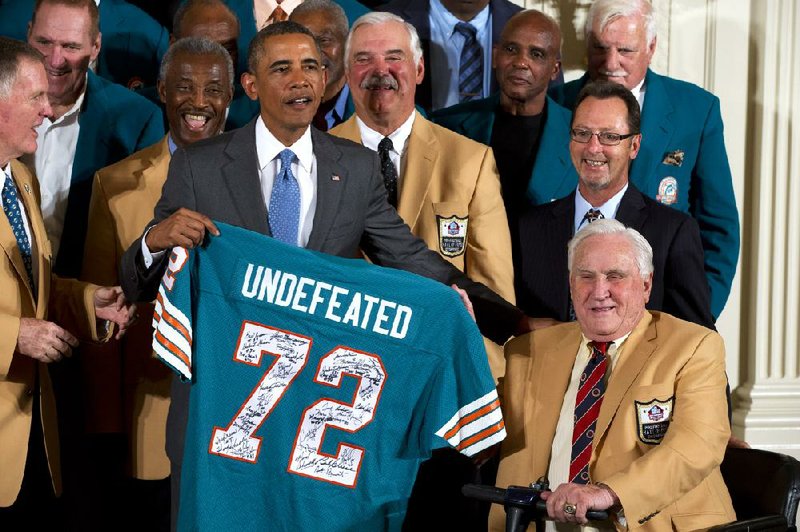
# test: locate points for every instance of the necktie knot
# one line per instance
(287, 157)
(592, 215)
(385, 145)
(599, 348)
(467, 30)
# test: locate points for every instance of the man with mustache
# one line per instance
(328, 196)
(93, 123)
(328, 22)
(682, 161)
(127, 390)
(39, 312)
(444, 186)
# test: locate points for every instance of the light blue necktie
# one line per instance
(284, 204)
(470, 68)
(11, 208)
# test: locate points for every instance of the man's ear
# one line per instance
(249, 85)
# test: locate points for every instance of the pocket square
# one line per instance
(673, 158)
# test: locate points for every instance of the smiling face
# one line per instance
(608, 292)
(23, 110)
(196, 92)
(525, 61)
(288, 84)
(382, 75)
(63, 34)
(620, 53)
(602, 170)
(331, 42)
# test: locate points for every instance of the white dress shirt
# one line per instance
(638, 93)
(561, 450)
(399, 137)
(52, 162)
(609, 208)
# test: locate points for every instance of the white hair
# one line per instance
(382, 17)
(605, 11)
(643, 252)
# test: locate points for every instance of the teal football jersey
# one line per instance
(319, 384)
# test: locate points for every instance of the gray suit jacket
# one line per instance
(219, 178)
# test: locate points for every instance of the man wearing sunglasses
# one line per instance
(604, 139)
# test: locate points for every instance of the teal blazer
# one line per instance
(114, 123)
(683, 163)
(553, 174)
(133, 43)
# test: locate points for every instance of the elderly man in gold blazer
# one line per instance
(38, 312)
(445, 186)
(660, 433)
(127, 389)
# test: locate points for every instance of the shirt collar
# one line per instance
(399, 137)
(171, 144)
(638, 93)
(609, 208)
(76, 107)
(612, 352)
(268, 147)
(446, 19)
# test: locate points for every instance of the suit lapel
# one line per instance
(637, 349)
(631, 211)
(241, 175)
(420, 159)
(348, 130)
(553, 173)
(561, 231)
(479, 124)
(331, 179)
(22, 180)
(657, 130)
(548, 379)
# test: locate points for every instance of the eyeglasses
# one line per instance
(606, 138)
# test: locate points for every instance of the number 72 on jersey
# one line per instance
(290, 353)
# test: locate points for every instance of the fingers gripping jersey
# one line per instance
(318, 384)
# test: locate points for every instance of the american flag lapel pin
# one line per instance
(335, 177)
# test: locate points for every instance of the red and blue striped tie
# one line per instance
(587, 406)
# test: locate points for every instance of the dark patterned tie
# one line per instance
(470, 68)
(284, 203)
(388, 170)
(587, 407)
(592, 215)
(11, 208)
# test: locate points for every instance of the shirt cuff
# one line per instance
(147, 256)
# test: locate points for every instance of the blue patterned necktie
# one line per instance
(11, 208)
(470, 68)
(587, 407)
(284, 204)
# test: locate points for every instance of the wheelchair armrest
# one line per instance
(770, 522)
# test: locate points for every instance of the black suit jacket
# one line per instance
(679, 282)
(415, 12)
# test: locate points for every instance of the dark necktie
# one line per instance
(470, 68)
(587, 407)
(284, 203)
(592, 215)
(14, 215)
(388, 170)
